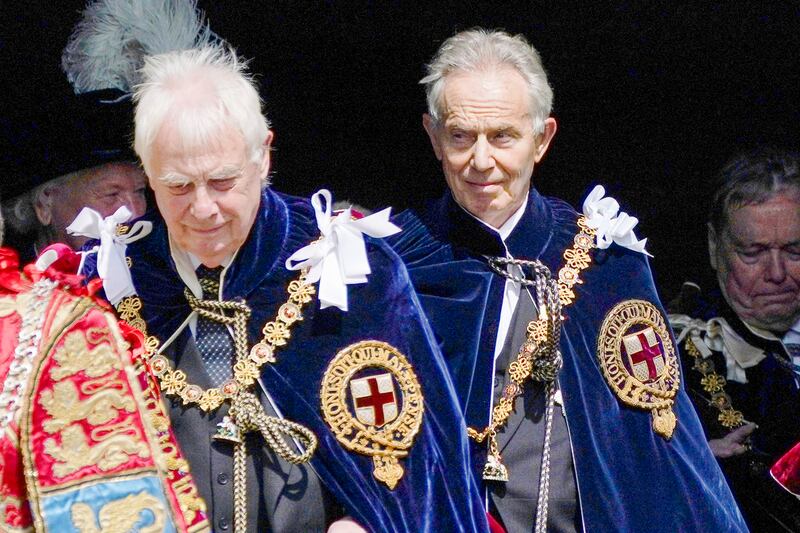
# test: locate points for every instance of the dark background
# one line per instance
(651, 97)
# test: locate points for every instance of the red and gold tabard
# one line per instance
(85, 442)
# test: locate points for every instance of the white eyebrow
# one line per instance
(228, 171)
(173, 178)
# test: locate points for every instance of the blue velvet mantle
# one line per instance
(437, 492)
(629, 478)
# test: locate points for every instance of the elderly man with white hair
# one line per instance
(303, 382)
(552, 329)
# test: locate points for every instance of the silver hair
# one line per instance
(753, 178)
(200, 91)
(479, 50)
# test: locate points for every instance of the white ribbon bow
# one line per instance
(719, 336)
(339, 257)
(611, 224)
(111, 264)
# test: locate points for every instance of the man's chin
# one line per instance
(211, 257)
(776, 320)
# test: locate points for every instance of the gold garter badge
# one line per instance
(372, 401)
(639, 361)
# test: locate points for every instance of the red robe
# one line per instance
(84, 441)
(787, 470)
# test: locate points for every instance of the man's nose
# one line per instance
(482, 154)
(135, 202)
(776, 270)
(204, 204)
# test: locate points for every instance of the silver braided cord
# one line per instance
(498, 264)
(30, 334)
(547, 365)
(544, 475)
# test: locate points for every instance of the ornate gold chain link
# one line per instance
(541, 339)
(246, 413)
(714, 385)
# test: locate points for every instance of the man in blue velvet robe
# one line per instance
(260, 373)
(740, 343)
(612, 443)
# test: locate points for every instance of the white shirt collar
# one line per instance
(793, 335)
(508, 226)
(186, 264)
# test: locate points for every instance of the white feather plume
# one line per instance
(108, 45)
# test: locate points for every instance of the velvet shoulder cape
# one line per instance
(629, 478)
(436, 491)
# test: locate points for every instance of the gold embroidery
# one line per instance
(714, 384)
(276, 333)
(63, 405)
(246, 413)
(540, 331)
(98, 401)
(385, 440)
(188, 497)
(120, 516)
(178, 469)
(11, 304)
(111, 449)
(577, 259)
(647, 382)
(74, 357)
(96, 336)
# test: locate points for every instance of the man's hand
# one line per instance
(346, 525)
(733, 443)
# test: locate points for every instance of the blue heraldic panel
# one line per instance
(136, 504)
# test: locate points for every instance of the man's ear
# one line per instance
(713, 246)
(433, 134)
(43, 203)
(545, 137)
(263, 165)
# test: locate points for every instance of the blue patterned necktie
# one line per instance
(793, 349)
(213, 340)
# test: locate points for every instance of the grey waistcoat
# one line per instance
(281, 497)
(521, 442)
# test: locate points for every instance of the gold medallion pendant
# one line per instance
(639, 361)
(372, 401)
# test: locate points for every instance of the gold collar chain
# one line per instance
(246, 413)
(714, 385)
(541, 339)
(247, 368)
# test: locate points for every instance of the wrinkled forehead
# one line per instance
(497, 93)
(775, 219)
(177, 140)
(193, 129)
